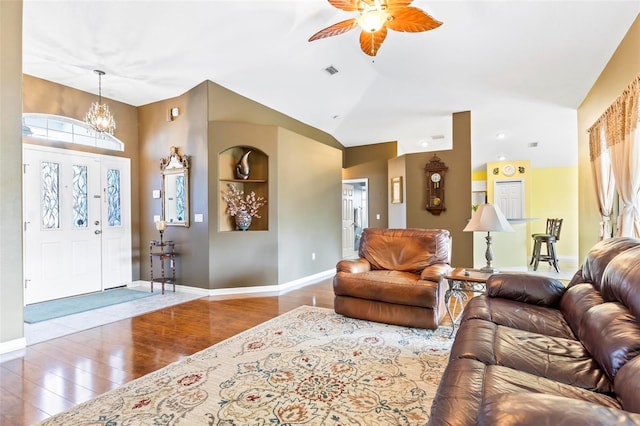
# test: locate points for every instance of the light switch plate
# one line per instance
(156, 218)
(155, 193)
(199, 217)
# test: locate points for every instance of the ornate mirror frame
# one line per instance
(175, 188)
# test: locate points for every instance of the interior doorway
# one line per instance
(355, 214)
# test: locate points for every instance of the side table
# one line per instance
(163, 251)
(462, 281)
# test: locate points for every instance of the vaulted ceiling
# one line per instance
(521, 67)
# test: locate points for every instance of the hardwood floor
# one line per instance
(57, 374)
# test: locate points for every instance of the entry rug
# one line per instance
(44, 311)
(307, 367)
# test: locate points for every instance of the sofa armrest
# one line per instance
(353, 266)
(435, 272)
(544, 409)
(532, 289)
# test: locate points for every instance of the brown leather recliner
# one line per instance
(398, 278)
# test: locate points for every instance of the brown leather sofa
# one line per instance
(534, 352)
(398, 278)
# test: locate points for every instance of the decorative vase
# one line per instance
(243, 220)
(242, 168)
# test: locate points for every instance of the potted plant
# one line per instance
(242, 207)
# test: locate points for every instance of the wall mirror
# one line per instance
(175, 188)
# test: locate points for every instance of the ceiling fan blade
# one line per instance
(335, 29)
(348, 5)
(411, 20)
(370, 42)
(398, 3)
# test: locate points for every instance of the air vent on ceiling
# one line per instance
(533, 144)
(331, 70)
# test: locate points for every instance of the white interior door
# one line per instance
(71, 247)
(348, 236)
(509, 197)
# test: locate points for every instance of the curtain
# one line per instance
(622, 140)
(602, 176)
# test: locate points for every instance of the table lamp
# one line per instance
(488, 218)
(161, 225)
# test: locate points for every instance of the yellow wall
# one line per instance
(554, 194)
(549, 192)
(622, 68)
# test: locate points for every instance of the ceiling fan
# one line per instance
(376, 16)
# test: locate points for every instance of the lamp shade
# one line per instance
(488, 218)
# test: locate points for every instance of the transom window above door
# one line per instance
(67, 129)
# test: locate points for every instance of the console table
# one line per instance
(163, 251)
(462, 281)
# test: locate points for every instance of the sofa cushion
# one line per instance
(527, 288)
(576, 301)
(467, 383)
(627, 385)
(599, 256)
(536, 409)
(621, 280)
(612, 335)
(537, 319)
(397, 287)
(556, 358)
(408, 250)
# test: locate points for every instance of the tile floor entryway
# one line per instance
(46, 330)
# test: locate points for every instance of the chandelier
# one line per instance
(98, 116)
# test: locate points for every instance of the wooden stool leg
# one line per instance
(536, 253)
(554, 256)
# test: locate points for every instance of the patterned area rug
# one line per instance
(309, 366)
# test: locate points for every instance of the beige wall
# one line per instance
(622, 68)
(11, 293)
(371, 162)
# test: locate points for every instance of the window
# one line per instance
(66, 129)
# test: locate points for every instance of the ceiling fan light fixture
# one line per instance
(373, 20)
(99, 117)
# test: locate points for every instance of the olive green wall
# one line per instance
(226, 105)
(371, 162)
(188, 132)
(236, 258)
(309, 206)
(622, 68)
(457, 187)
(11, 293)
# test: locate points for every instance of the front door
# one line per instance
(69, 231)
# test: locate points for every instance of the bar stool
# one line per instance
(549, 239)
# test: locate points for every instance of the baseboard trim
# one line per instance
(13, 345)
(277, 288)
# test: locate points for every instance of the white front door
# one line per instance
(116, 222)
(65, 214)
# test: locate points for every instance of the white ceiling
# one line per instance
(521, 67)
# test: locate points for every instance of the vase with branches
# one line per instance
(242, 206)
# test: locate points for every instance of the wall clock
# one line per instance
(508, 170)
(435, 171)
